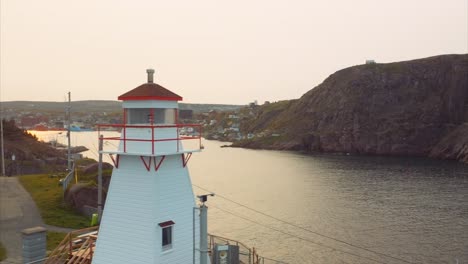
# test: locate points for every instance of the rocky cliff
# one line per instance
(417, 107)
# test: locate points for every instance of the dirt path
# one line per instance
(17, 212)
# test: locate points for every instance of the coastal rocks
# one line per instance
(82, 197)
(93, 168)
(454, 145)
(413, 108)
(390, 109)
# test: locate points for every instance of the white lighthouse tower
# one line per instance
(149, 211)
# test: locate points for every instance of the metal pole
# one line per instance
(1, 124)
(3, 149)
(68, 132)
(204, 228)
(101, 138)
(193, 232)
(203, 234)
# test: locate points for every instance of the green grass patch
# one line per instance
(48, 196)
(3, 253)
(54, 239)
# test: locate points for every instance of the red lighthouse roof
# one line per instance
(150, 91)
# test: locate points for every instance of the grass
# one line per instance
(3, 253)
(49, 199)
(54, 239)
(85, 162)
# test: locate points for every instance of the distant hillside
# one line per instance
(92, 106)
(31, 156)
(417, 107)
(25, 146)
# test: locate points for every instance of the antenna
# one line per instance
(69, 166)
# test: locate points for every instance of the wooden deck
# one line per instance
(76, 248)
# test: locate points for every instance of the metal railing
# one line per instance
(66, 181)
(183, 132)
(247, 255)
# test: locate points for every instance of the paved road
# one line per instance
(17, 212)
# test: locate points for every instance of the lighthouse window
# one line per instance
(146, 116)
(167, 237)
(158, 116)
(138, 116)
(167, 230)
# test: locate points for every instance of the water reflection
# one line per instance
(412, 208)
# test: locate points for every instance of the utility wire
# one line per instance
(277, 261)
(298, 237)
(308, 230)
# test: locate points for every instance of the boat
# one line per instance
(76, 128)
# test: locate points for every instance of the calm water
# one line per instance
(414, 209)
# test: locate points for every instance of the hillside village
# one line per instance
(237, 125)
(224, 123)
(85, 115)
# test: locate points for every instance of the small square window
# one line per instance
(166, 239)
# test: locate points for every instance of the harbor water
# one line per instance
(329, 208)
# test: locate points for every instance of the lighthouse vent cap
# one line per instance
(150, 75)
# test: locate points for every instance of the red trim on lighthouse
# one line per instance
(150, 91)
(167, 223)
(186, 159)
(143, 98)
(152, 160)
(147, 165)
(156, 166)
(116, 160)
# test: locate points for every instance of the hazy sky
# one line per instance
(212, 51)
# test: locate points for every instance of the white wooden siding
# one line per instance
(137, 201)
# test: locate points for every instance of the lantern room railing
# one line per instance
(183, 132)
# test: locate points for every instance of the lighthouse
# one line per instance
(149, 214)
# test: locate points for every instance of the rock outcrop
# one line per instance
(454, 145)
(93, 168)
(415, 108)
(83, 196)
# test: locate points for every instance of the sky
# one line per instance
(211, 51)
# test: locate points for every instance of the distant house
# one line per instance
(370, 61)
(31, 120)
(59, 124)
